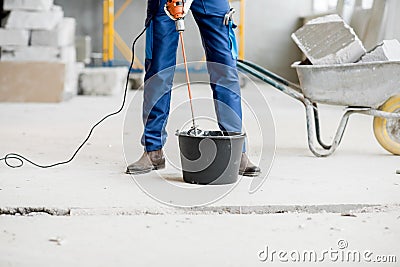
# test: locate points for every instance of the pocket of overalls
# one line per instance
(232, 40)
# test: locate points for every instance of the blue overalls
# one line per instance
(220, 46)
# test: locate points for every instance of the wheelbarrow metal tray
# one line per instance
(357, 85)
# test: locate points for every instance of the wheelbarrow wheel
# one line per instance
(387, 131)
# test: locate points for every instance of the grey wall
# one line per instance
(88, 14)
(269, 24)
(268, 29)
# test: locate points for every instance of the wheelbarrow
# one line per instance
(366, 88)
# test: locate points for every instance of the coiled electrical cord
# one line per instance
(21, 159)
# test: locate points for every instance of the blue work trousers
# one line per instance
(220, 47)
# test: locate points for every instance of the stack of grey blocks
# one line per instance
(37, 31)
(329, 40)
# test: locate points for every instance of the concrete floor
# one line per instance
(105, 219)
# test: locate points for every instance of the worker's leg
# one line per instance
(161, 47)
(219, 44)
(221, 50)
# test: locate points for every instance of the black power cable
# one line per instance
(21, 159)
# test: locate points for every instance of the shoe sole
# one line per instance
(159, 167)
(250, 174)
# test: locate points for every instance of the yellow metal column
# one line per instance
(108, 32)
(105, 31)
(241, 29)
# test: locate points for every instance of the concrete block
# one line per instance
(62, 35)
(388, 50)
(37, 5)
(38, 81)
(32, 81)
(38, 53)
(43, 20)
(329, 40)
(29, 53)
(14, 37)
(102, 81)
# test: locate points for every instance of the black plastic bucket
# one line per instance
(211, 157)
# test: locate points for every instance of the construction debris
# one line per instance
(329, 40)
(388, 50)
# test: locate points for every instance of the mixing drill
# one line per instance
(177, 10)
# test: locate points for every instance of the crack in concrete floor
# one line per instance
(30, 211)
(344, 209)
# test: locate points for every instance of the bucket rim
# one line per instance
(236, 135)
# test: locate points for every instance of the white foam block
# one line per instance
(14, 37)
(102, 81)
(329, 40)
(62, 35)
(43, 20)
(38, 53)
(39, 5)
(388, 50)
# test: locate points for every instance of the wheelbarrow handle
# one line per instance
(265, 72)
(272, 79)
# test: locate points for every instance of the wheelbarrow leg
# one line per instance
(317, 128)
(312, 131)
(313, 126)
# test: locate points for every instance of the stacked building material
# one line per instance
(37, 31)
(329, 40)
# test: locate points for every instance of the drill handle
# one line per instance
(177, 9)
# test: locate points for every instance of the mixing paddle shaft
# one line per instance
(188, 81)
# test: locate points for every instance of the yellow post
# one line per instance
(105, 31)
(111, 35)
(108, 32)
(241, 29)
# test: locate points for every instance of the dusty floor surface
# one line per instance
(89, 213)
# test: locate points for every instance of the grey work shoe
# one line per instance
(247, 168)
(149, 161)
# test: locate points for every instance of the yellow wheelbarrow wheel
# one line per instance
(387, 131)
